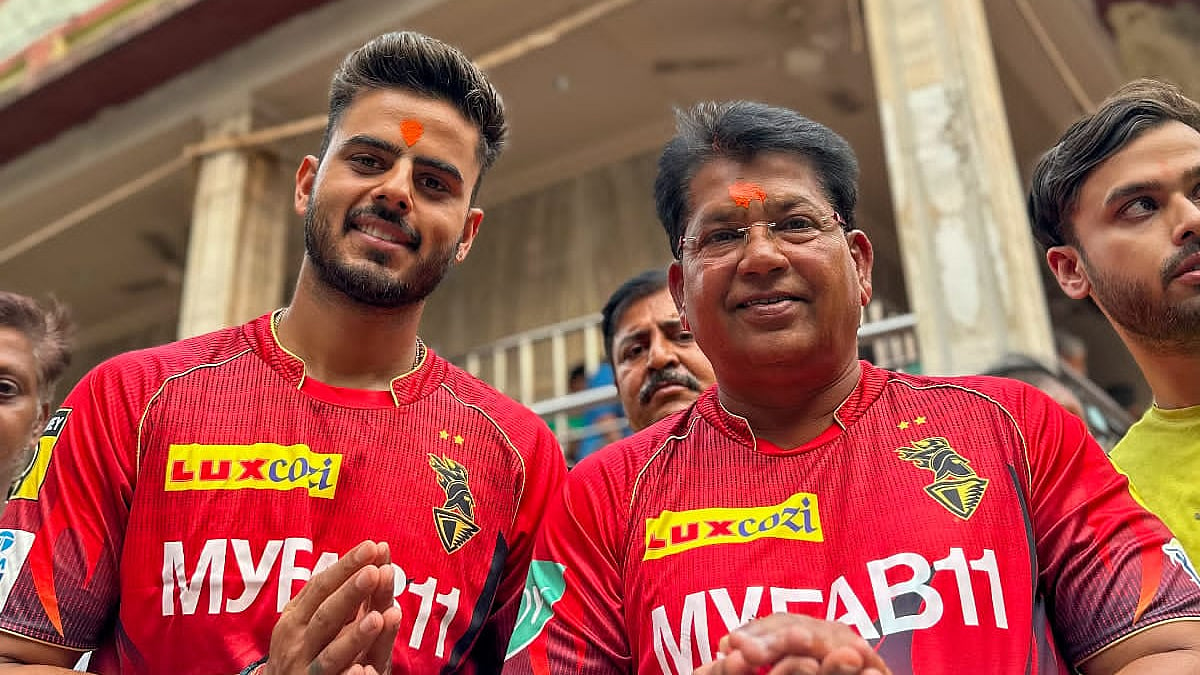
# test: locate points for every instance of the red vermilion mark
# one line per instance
(411, 131)
(743, 193)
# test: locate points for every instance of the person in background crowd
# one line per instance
(1116, 204)
(1072, 350)
(659, 368)
(576, 382)
(605, 422)
(34, 352)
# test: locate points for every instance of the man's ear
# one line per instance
(306, 177)
(1068, 268)
(675, 284)
(469, 232)
(863, 254)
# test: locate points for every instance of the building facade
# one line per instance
(149, 147)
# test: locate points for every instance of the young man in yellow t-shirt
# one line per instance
(1116, 203)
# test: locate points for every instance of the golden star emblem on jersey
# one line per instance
(955, 484)
(455, 519)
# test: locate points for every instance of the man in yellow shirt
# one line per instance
(1116, 203)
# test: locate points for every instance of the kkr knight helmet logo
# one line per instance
(455, 519)
(955, 484)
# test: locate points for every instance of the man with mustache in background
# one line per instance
(659, 368)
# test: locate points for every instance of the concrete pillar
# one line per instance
(236, 252)
(968, 257)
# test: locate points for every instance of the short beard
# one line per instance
(1159, 326)
(370, 285)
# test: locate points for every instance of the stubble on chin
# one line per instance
(372, 283)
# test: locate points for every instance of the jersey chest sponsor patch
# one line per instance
(672, 532)
(261, 466)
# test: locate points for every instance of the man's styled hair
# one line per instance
(47, 328)
(740, 131)
(643, 285)
(427, 67)
(1131, 111)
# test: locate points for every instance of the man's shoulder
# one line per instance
(471, 391)
(1001, 390)
(154, 364)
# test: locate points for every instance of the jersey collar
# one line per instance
(870, 385)
(406, 388)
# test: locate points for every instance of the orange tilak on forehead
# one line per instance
(410, 131)
(744, 193)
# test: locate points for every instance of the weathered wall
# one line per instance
(1158, 39)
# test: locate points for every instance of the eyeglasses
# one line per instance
(723, 241)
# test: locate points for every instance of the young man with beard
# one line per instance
(189, 490)
(1116, 203)
(931, 526)
(33, 355)
(659, 369)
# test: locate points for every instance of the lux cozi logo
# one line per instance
(677, 531)
(261, 466)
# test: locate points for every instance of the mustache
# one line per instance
(661, 378)
(383, 213)
(1173, 263)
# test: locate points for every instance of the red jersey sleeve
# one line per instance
(65, 523)
(571, 618)
(1108, 567)
(543, 481)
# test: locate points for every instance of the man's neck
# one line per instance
(345, 344)
(1174, 378)
(789, 413)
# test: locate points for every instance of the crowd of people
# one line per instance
(317, 491)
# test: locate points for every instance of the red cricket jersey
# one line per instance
(951, 522)
(183, 494)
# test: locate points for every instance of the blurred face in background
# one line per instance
(658, 366)
(22, 413)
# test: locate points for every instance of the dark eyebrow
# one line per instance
(438, 165)
(726, 213)
(789, 203)
(1136, 188)
(635, 336)
(373, 142)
